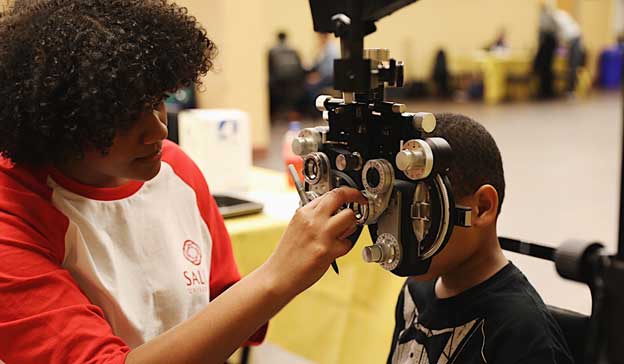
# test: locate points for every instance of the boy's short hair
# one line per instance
(476, 158)
(75, 72)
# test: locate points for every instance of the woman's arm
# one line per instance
(314, 238)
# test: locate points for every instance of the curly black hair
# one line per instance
(476, 157)
(75, 72)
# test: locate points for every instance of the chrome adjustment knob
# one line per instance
(415, 159)
(410, 159)
(304, 145)
(307, 141)
(322, 99)
(386, 251)
(320, 102)
(424, 121)
(373, 254)
(315, 167)
(349, 161)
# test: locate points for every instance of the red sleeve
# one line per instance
(44, 317)
(220, 279)
(223, 269)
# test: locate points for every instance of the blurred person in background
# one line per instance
(547, 44)
(569, 36)
(321, 75)
(286, 77)
(441, 76)
(499, 43)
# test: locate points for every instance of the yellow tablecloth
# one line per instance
(495, 68)
(342, 319)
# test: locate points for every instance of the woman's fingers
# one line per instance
(330, 202)
(342, 223)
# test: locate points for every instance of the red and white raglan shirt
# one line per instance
(88, 273)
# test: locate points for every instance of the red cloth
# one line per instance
(45, 315)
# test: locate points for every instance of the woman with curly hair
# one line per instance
(112, 249)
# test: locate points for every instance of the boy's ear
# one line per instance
(485, 208)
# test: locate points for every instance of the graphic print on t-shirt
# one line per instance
(418, 344)
(192, 252)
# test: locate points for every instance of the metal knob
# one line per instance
(398, 108)
(303, 145)
(315, 167)
(410, 159)
(386, 251)
(320, 102)
(325, 115)
(349, 161)
(424, 121)
(372, 254)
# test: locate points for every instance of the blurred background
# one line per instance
(542, 76)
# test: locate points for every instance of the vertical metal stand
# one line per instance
(620, 250)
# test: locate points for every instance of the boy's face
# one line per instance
(135, 154)
(464, 242)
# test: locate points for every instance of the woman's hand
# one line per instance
(315, 237)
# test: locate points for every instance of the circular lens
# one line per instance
(373, 178)
(358, 211)
(361, 213)
(311, 169)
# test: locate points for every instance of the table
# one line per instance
(495, 67)
(498, 67)
(341, 319)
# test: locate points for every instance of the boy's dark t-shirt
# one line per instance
(502, 320)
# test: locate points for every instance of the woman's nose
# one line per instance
(156, 126)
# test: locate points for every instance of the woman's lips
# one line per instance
(154, 156)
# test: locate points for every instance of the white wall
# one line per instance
(618, 22)
(240, 78)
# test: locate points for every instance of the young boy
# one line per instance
(473, 305)
(112, 249)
